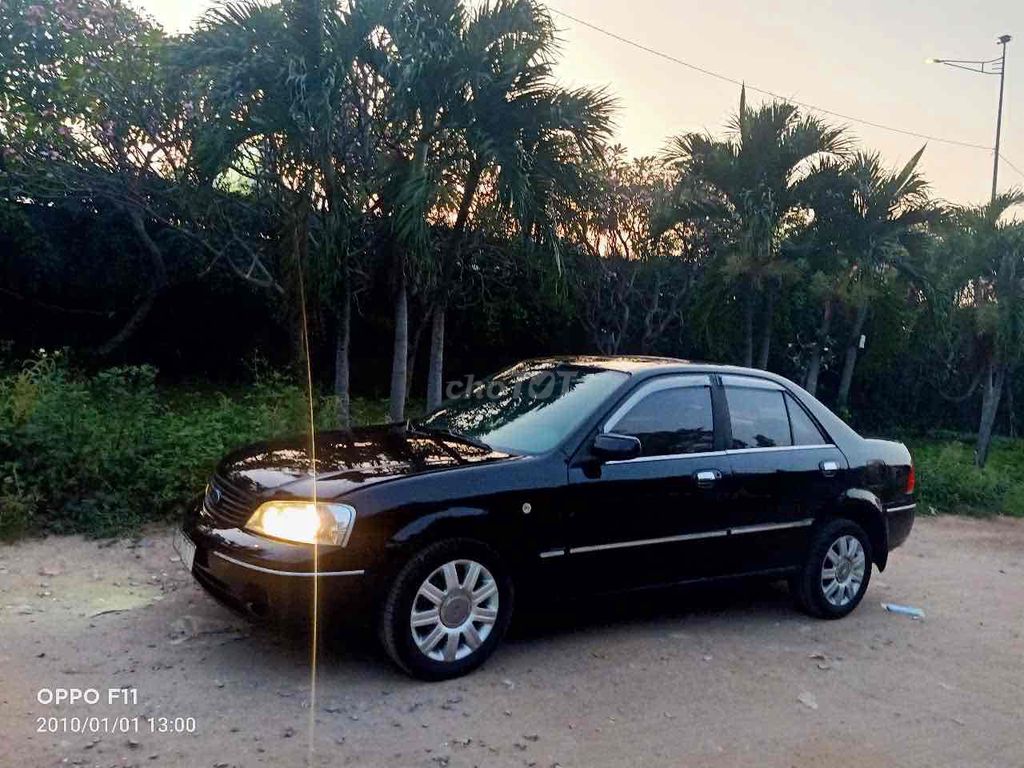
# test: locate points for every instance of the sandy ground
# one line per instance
(721, 677)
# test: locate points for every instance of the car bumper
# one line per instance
(899, 519)
(274, 580)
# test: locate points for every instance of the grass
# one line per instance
(948, 482)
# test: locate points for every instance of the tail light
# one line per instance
(911, 480)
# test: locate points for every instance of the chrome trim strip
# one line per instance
(553, 553)
(639, 459)
(770, 527)
(645, 542)
(771, 448)
(903, 508)
(729, 452)
(694, 536)
(261, 569)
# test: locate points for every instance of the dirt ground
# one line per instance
(709, 677)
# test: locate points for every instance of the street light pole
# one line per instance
(996, 66)
(999, 114)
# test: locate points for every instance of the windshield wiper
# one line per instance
(444, 432)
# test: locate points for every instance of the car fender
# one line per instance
(866, 509)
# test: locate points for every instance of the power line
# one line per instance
(1014, 167)
(773, 94)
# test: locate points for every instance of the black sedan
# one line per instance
(555, 477)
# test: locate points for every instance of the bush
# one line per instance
(948, 481)
(102, 454)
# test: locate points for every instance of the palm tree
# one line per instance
(507, 120)
(869, 224)
(991, 252)
(749, 182)
(285, 113)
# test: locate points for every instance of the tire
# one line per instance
(477, 613)
(833, 595)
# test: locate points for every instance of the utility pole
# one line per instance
(996, 66)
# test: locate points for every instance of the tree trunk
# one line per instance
(342, 369)
(435, 367)
(157, 282)
(814, 368)
(1011, 416)
(748, 327)
(435, 370)
(766, 329)
(399, 360)
(850, 362)
(993, 389)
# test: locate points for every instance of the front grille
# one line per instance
(227, 504)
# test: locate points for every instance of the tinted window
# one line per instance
(529, 408)
(805, 431)
(671, 421)
(759, 418)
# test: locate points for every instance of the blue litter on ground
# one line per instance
(906, 610)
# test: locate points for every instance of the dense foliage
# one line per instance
(104, 453)
(400, 189)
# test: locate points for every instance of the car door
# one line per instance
(784, 471)
(653, 518)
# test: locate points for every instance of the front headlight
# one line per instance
(304, 522)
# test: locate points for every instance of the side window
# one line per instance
(759, 418)
(671, 421)
(805, 431)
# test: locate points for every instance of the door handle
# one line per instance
(829, 468)
(706, 477)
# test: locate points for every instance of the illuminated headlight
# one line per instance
(304, 522)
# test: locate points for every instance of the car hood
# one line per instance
(347, 460)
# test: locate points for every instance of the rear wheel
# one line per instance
(447, 610)
(836, 571)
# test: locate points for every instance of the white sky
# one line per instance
(864, 58)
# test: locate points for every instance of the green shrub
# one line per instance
(948, 481)
(103, 454)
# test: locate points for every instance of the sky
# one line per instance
(865, 59)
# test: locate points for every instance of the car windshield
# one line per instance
(529, 408)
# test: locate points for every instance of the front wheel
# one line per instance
(836, 571)
(447, 610)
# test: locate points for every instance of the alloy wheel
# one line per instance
(454, 610)
(842, 570)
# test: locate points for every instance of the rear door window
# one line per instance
(759, 418)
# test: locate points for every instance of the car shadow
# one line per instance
(739, 600)
(351, 652)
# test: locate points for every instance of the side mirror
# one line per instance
(613, 447)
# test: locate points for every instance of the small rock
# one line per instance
(508, 684)
(287, 733)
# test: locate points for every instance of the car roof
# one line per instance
(634, 364)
